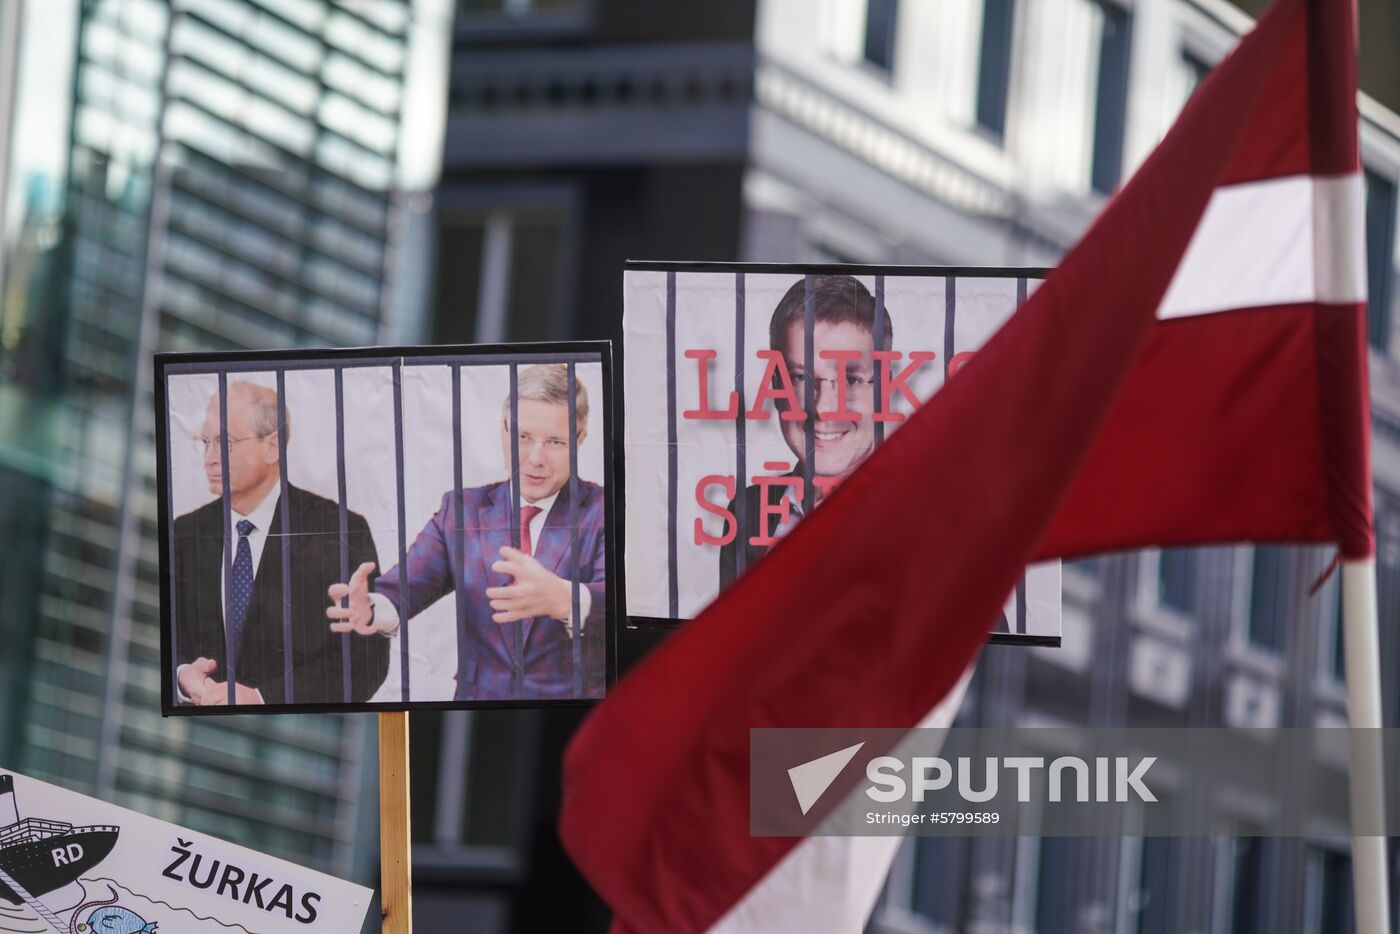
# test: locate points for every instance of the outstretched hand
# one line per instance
(355, 614)
(536, 590)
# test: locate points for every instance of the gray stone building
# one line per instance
(582, 133)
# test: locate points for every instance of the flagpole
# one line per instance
(1370, 887)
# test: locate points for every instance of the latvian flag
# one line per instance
(1193, 372)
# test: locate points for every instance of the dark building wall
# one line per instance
(661, 212)
(604, 21)
(607, 216)
(648, 20)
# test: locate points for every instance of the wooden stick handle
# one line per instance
(395, 864)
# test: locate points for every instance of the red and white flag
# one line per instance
(1193, 372)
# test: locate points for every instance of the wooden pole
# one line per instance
(395, 865)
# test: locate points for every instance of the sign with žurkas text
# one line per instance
(70, 863)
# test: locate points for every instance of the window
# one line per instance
(1157, 888)
(1380, 257)
(1055, 887)
(994, 68)
(1330, 909)
(936, 888)
(1091, 568)
(466, 786)
(1247, 901)
(1196, 70)
(880, 16)
(1266, 604)
(1111, 99)
(1176, 580)
(501, 276)
(1332, 657)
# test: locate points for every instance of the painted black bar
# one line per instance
(284, 509)
(837, 269)
(345, 637)
(1021, 587)
(273, 361)
(1021, 605)
(950, 312)
(741, 470)
(809, 422)
(995, 638)
(273, 364)
(673, 583)
(576, 623)
(162, 414)
(404, 576)
(496, 359)
(458, 511)
(230, 662)
(879, 345)
(517, 670)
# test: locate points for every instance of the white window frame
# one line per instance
(1260, 660)
(1151, 611)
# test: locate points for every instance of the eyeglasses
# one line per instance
(856, 386)
(201, 444)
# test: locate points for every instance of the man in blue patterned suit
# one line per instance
(517, 639)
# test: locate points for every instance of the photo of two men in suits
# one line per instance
(516, 606)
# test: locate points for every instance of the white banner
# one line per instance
(70, 863)
(722, 362)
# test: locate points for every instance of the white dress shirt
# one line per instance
(386, 615)
(261, 517)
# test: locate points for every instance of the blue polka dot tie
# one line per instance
(240, 589)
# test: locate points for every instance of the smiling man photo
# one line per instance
(844, 320)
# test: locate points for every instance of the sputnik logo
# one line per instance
(810, 780)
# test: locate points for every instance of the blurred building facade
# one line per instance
(196, 174)
(582, 133)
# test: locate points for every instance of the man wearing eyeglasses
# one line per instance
(229, 592)
(516, 605)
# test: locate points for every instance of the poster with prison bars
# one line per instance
(396, 528)
(722, 363)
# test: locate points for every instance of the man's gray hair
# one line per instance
(262, 407)
(549, 382)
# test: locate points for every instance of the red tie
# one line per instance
(527, 515)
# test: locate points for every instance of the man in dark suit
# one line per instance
(516, 625)
(243, 612)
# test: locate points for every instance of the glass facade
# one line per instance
(230, 185)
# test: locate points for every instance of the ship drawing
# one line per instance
(44, 855)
